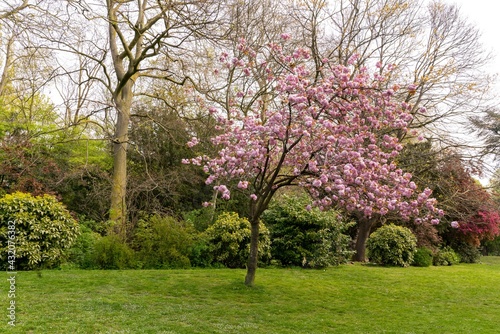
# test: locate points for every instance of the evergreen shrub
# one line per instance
(422, 257)
(392, 245)
(446, 257)
(467, 252)
(308, 238)
(229, 241)
(40, 231)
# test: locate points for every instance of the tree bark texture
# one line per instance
(254, 253)
(118, 207)
(364, 229)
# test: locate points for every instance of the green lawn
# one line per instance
(345, 299)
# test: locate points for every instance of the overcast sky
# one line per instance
(485, 15)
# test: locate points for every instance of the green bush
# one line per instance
(81, 254)
(446, 257)
(491, 247)
(200, 254)
(201, 219)
(164, 242)
(40, 227)
(466, 252)
(112, 253)
(392, 245)
(307, 238)
(422, 257)
(229, 241)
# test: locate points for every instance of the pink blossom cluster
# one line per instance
(333, 135)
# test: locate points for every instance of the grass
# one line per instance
(345, 299)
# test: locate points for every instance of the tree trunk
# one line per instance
(364, 228)
(7, 65)
(254, 256)
(118, 207)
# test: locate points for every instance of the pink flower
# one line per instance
(194, 141)
(412, 88)
(285, 37)
(317, 183)
(455, 224)
(223, 57)
(353, 59)
(243, 184)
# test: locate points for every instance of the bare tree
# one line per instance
(9, 8)
(8, 17)
(106, 50)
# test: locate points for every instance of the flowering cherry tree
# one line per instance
(330, 130)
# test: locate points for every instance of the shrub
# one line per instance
(200, 218)
(112, 253)
(81, 254)
(229, 241)
(392, 245)
(200, 253)
(307, 238)
(44, 230)
(422, 257)
(164, 242)
(491, 247)
(446, 257)
(467, 252)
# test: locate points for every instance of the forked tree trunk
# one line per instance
(364, 227)
(254, 253)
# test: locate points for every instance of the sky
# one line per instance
(484, 15)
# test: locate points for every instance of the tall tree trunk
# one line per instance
(118, 207)
(122, 97)
(7, 65)
(254, 253)
(364, 228)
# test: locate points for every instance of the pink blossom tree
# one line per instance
(330, 130)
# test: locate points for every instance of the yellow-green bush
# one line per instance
(392, 245)
(446, 257)
(229, 240)
(39, 229)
